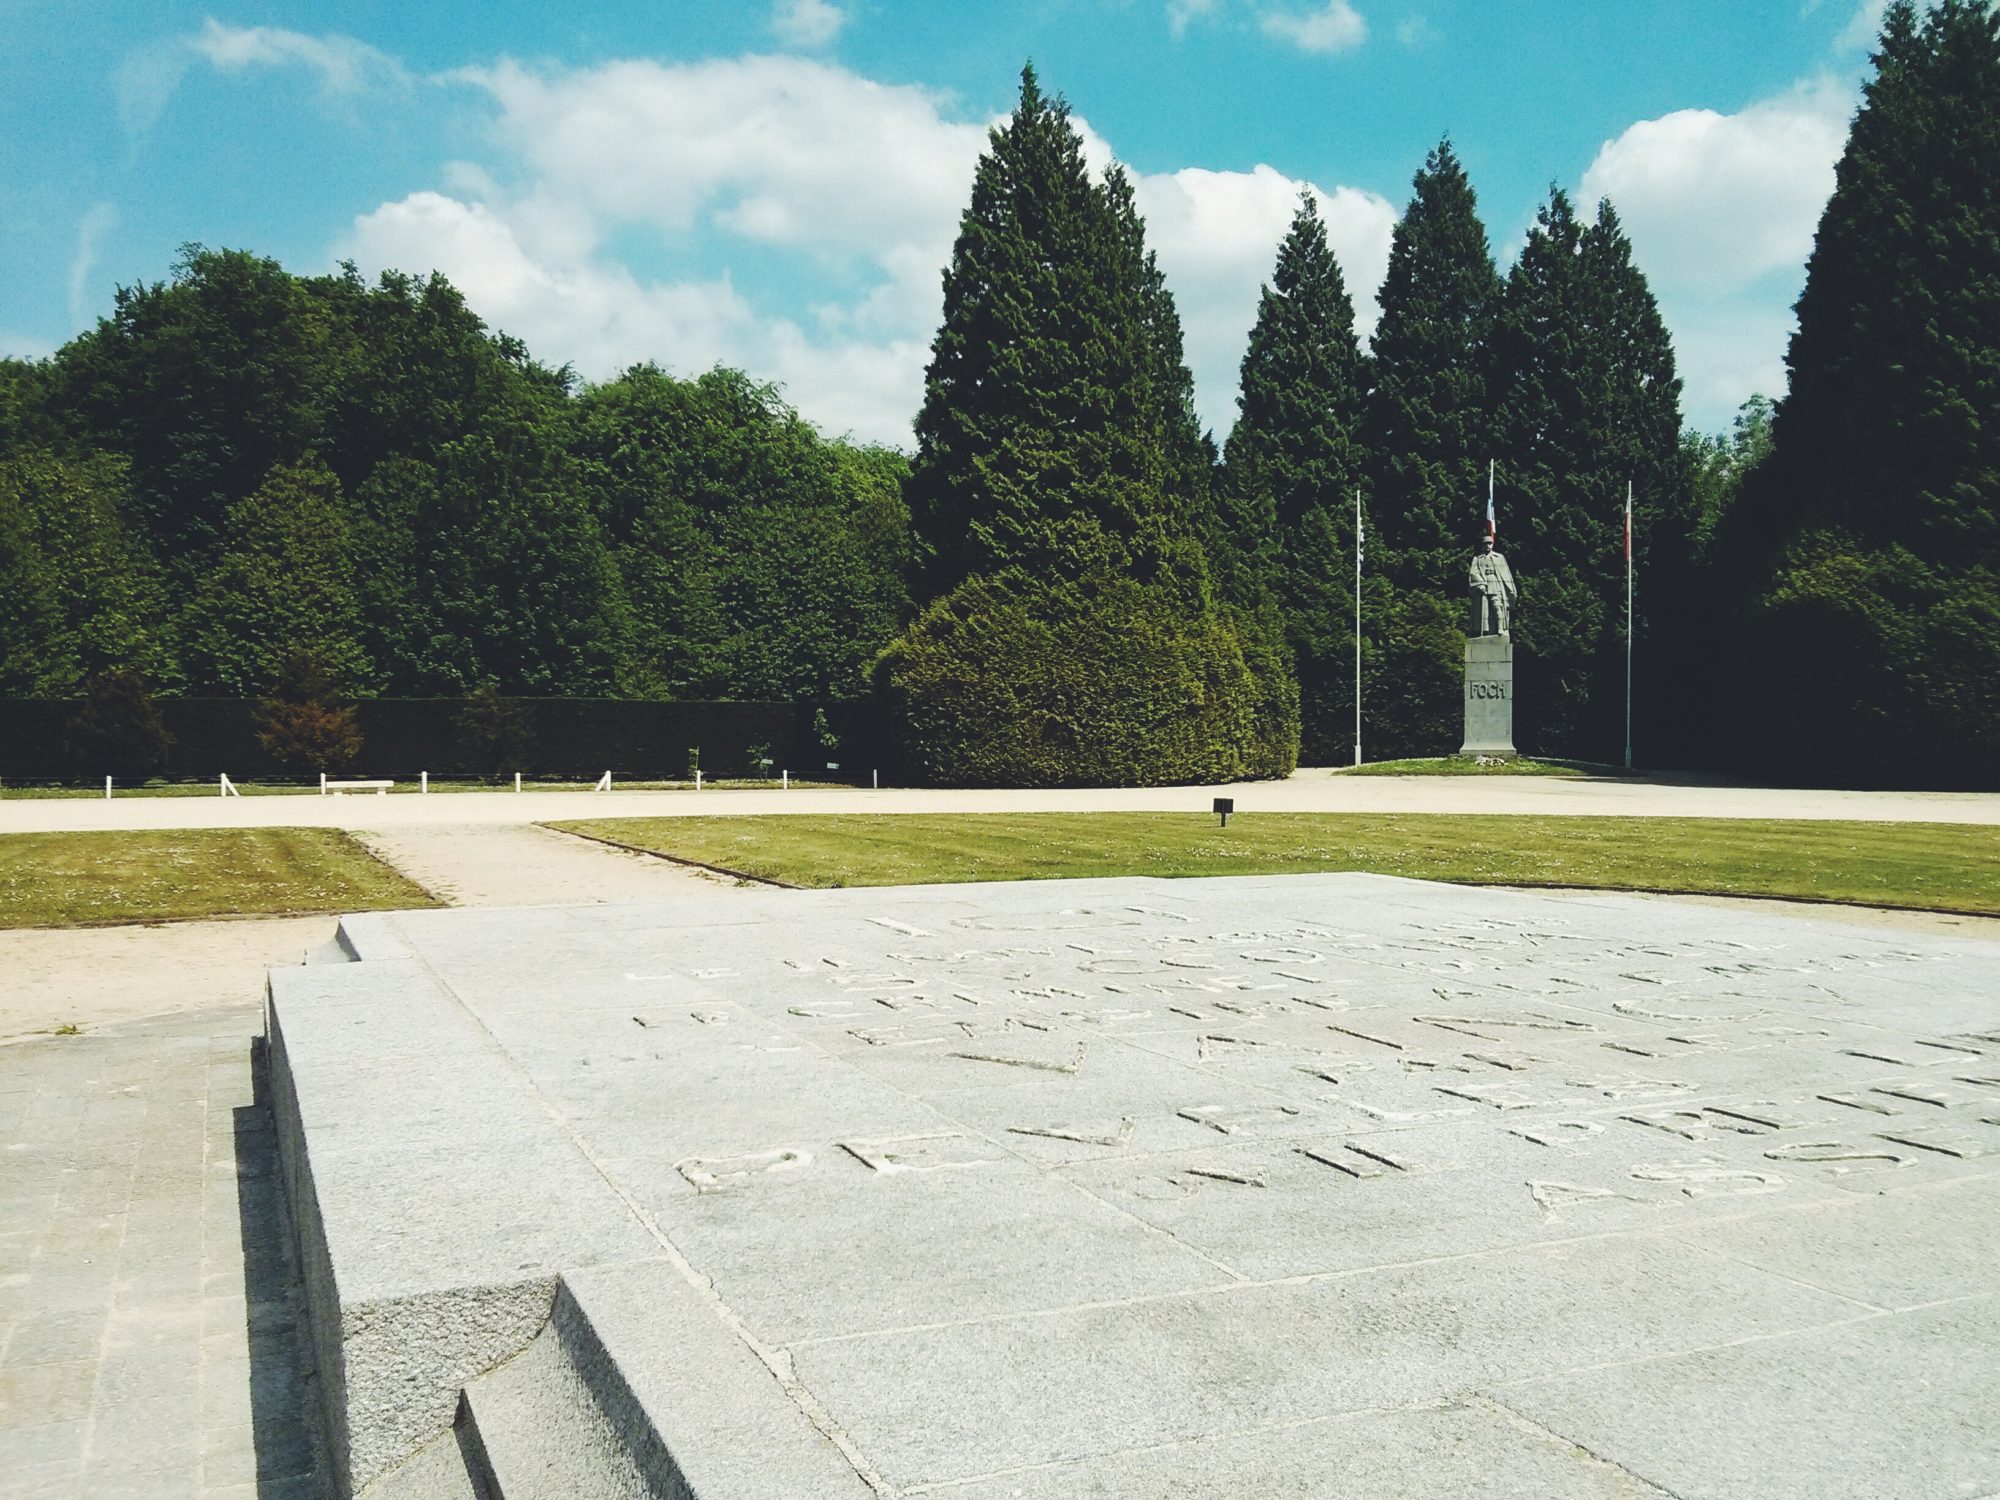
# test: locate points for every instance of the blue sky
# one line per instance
(775, 183)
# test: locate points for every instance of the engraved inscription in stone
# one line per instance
(939, 1151)
(709, 1174)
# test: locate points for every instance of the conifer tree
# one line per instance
(1245, 592)
(1427, 426)
(1428, 444)
(1585, 399)
(1037, 442)
(1071, 635)
(1880, 621)
(1285, 506)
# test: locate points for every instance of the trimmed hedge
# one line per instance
(562, 737)
(1006, 681)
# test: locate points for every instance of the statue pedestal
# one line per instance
(1489, 696)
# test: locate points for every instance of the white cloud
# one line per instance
(1217, 235)
(147, 80)
(595, 314)
(15, 345)
(1336, 26)
(1864, 28)
(97, 222)
(343, 64)
(1726, 349)
(862, 184)
(1183, 13)
(1721, 210)
(806, 23)
(1417, 31)
(1717, 201)
(782, 150)
(149, 77)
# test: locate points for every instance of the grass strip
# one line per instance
(88, 879)
(1917, 866)
(1465, 765)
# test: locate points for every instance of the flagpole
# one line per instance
(1357, 625)
(1628, 624)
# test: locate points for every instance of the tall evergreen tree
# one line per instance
(1428, 444)
(1037, 439)
(1244, 589)
(1071, 635)
(1285, 508)
(1880, 621)
(1426, 431)
(1585, 399)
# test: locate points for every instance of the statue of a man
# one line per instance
(1493, 591)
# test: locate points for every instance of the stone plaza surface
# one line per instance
(1289, 1186)
(149, 1314)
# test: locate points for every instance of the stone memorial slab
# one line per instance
(1288, 1185)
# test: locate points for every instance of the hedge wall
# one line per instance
(561, 737)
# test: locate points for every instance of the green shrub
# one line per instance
(494, 732)
(304, 725)
(115, 729)
(1006, 681)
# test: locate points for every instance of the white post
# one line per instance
(874, 781)
(228, 787)
(322, 783)
(1357, 626)
(107, 788)
(424, 782)
(517, 781)
(697, 778)
(1628, 624)
(603, 783)
(785, 781)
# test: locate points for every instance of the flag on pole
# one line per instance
(1492, 528)
(1628, 524)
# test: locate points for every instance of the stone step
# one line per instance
(532, 1429)
(635, 1388)
(437, 1471)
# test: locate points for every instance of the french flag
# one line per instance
(1492, 529)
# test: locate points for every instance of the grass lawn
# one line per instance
(1465, 765)
(1922, 866)
(80, 879)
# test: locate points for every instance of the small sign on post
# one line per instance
(1224, 806)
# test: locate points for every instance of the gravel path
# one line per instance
(1307, 791)
(510, 864)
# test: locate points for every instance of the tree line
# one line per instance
(1069, 581)
(243, 474)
